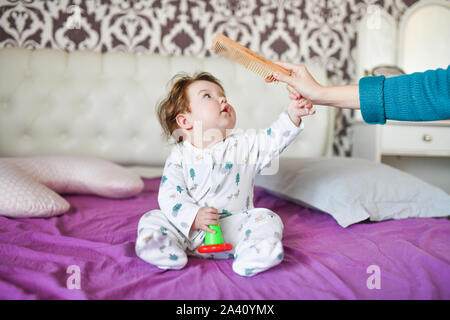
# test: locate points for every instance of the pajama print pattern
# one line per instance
(221, 177)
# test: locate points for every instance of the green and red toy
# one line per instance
(214, 241)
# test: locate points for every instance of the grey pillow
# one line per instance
(352, 190)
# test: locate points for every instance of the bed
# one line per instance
(322, 259)
(102, 105)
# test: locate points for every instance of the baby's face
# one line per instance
(209, 105)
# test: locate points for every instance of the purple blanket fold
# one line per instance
(88, 253)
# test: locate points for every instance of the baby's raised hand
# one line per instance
(299, 107)
(206, 216)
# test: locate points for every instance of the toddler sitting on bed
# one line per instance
(209, 177)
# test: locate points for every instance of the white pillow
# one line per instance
(352, 190)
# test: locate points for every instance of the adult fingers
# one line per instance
(293, 91)
(287, 65)
(284, 78)
(293, 96)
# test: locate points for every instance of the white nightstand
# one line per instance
(419, 148)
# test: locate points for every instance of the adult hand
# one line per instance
(300, 83)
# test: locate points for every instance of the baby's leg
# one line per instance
(259, 247)
(159, 243)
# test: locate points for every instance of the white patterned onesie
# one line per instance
(221, 177)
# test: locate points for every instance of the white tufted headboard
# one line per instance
(87, 103)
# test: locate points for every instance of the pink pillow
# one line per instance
(22, 196)
(85, 175)
(30, 179)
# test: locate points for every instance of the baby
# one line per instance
(209, 177)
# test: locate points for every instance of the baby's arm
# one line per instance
(174, 201)
(267, 144)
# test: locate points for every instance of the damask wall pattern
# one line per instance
(322, 31)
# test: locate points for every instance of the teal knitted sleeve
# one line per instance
(420, 96)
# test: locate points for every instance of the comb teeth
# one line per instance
(245, 57)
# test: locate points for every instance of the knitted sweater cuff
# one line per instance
(371, 99)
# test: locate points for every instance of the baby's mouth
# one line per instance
(226, 108)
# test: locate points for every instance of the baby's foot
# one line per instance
(157, 248)
(253, 257)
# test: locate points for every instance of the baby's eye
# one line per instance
(206, 95)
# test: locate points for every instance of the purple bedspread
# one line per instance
(322, 260)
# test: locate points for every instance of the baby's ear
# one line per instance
(183, 121)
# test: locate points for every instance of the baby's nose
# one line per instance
(223, 100)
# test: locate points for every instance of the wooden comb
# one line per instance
(246, 57)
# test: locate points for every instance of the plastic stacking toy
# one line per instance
(214, 241)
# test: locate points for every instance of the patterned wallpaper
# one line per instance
(288, 30)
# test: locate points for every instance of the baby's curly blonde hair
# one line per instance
(177, 101)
